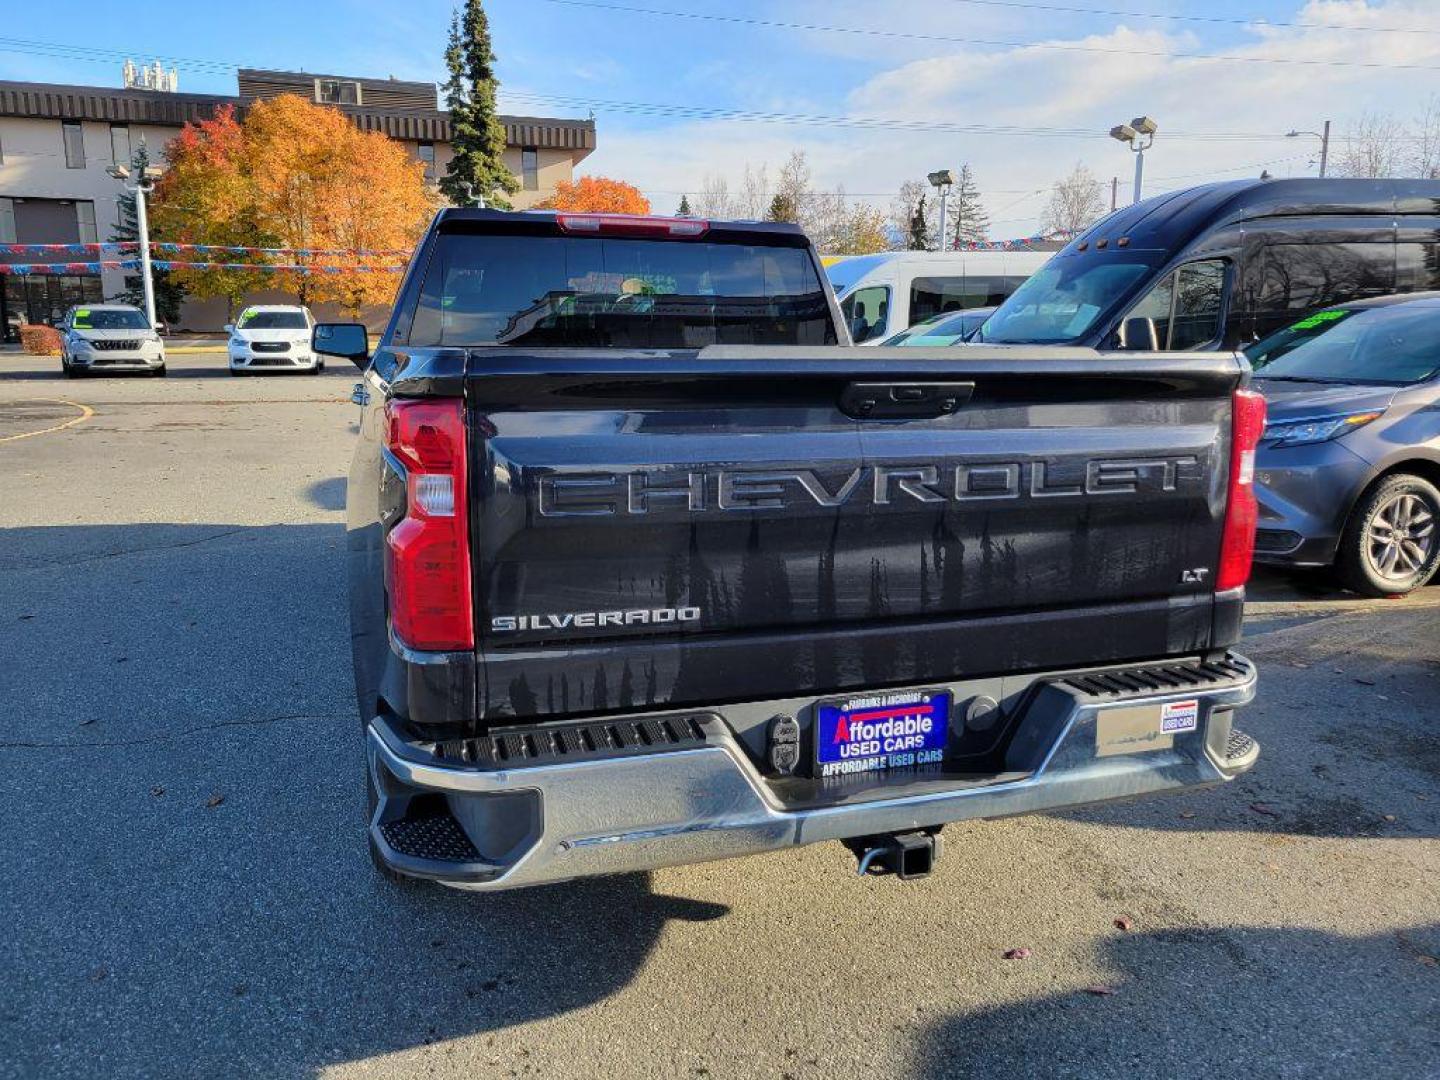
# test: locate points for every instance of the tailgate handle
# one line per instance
(904, 400)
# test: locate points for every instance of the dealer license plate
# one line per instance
(881, 731)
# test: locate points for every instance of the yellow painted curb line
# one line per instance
(86, 412)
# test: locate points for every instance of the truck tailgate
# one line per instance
(674, 528)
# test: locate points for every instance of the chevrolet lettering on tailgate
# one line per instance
(646, 491)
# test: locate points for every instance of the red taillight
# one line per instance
(631, 225)
(1237, 545)
(427, 556)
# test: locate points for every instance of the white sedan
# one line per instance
(273, 337)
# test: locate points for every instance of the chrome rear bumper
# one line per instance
(494, 827)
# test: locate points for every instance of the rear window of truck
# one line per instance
(561, 291)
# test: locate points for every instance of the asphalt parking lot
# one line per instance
(187, 891)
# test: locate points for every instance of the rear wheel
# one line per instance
(1390, 545)
(70, 371)
(160, 372)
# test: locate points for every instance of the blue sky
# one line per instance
(918, 60)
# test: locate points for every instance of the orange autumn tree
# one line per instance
(205, 198)
(320, 182)
(597, 195)
(301, 176)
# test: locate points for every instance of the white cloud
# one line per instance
(1068, 88)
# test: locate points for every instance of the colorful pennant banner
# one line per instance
(292, 268)
(171, 264)
(304, 253)
(23, 269)
(67, 249)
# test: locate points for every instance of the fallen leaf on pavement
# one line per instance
(214, 801)
(1188, 814)
(157, 791)
(1365, 682)
(1123, 923)
(1021, 953)
(1264, 808)
(1100, 991)
(1389, 817)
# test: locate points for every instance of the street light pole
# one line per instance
(1324, 136)
(941, 180)
(142, 229)
(1130, 134)
(143, 186)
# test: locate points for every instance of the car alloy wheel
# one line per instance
(1391, 544)
(1400, 536)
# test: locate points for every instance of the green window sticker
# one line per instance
(1320, 318)
(82, 319)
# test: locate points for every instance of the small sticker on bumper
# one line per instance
(1178, 716)
(1135, 729)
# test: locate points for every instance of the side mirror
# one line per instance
(159, 328)
(1140, 334)
(349, 341)
(229, 327)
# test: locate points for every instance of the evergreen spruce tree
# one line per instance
(684, 208)
(782, 208)
(972, 223)
(169, 294)
(477, 138)
(919, 235)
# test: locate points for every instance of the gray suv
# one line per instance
(1349, 466)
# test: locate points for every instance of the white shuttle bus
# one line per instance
(883, 294)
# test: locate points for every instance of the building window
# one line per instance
(530, 169)
(120, 144)
(337, 92)
(85, 222)
(426, 153)
(7, 221)
(74, 138)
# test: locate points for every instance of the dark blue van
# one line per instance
(1222, 265)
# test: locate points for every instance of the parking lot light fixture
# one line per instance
(1139, 135)
(941, 180)
(1324, 136)
(143, 186)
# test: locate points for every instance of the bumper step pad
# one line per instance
(1241, 751)
(1111, 686)
(439, 838)
(587, 741)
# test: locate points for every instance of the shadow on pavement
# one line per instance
(205, 366)
(1235, 1002)
(328, 494)
(187, 887)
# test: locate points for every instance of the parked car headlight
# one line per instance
(1317, 429)
(238, 341)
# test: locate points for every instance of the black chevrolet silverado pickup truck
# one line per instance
(649, 565)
